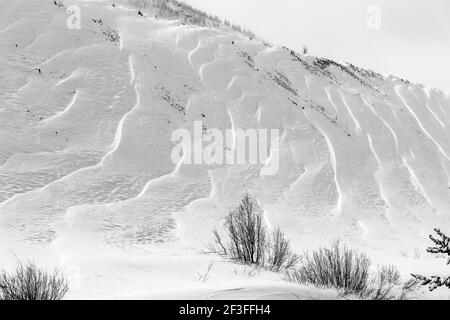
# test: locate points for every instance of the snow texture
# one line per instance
(87, 182)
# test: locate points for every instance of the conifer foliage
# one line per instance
(442, 246)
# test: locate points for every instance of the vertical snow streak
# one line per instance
(369, 138)
(355, 121)
(118, 136)
(364, 228)
(326, 89)
(435, 116)
(258, 114)
(191, 53)
(442, 110)
(383, 121)
(131, 67)
(307, 83)
(332, 152)
(415, 181)
(233, 130)
(377, 177)
(420, 123)
(428, 92)
(120, 41)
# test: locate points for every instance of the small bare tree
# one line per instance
(249, 241)
(279, 252)
(247, 233)
(442, 246)
(382, 283)
(305, 49)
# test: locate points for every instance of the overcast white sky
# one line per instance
(413, 41)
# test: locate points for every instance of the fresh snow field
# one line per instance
(86, 178)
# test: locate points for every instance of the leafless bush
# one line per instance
(382, 284)
(415, 255)
(335, 267)
(217, 246)
(279, 252)
(349, 272)
(305, 49)
(249, 241)
(247, 233)
(28, 282)
(203, 277)
(442, 246)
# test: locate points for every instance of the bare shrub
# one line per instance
(335, 267)
(349, 272)
(305, 49)
(415, 255)
(382, 284)
(442, 246)
(279, 252)
(249, 241)
(217, 246)
(247, 233)
(203, 277)
(28, 282)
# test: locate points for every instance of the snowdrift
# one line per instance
(86, 177)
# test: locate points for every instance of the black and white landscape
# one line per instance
(132, 130)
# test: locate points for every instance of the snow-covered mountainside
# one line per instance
(87, 181)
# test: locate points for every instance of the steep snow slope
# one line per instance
(86, 177)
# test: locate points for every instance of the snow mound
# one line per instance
(86, 177)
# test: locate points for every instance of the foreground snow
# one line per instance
(86, 180)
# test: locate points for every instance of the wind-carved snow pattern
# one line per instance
(85, 147)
